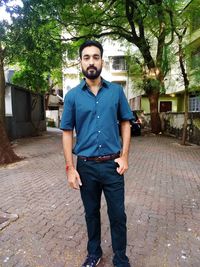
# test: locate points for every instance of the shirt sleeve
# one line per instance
(124, 111)
(68, 115)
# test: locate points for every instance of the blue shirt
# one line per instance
(95, 118)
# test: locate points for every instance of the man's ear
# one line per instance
(80, 62)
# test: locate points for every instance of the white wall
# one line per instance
(8, 101)
(53, 115)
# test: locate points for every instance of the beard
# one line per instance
(92, 73)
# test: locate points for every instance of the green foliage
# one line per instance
(134, 67)
(189, 50)
(34, 43)
(151, 86)
(195, 80)
(3, 26)
(56, 76)
(31, 79)
(196, 123)
(35, 80)
(39, 25)
(43, 30)
(51, 123)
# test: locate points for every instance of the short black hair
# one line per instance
(90, 43)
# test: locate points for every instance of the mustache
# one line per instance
(92, 68)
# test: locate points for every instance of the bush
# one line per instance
(51, 123)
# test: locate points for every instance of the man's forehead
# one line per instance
(91, 51)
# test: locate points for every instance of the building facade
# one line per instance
(193, 47)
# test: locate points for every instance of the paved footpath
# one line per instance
(162, 203)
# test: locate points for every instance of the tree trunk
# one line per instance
(2, 88)
(155, 118)
(7, 155)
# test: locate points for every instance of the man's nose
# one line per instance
(91, 61)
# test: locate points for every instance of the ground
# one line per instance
(162, 204)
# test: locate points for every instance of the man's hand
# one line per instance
(73, 178)
(123, 164)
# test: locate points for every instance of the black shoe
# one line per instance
(128, 265)
(91, 261)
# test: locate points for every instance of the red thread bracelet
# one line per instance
(67, 167)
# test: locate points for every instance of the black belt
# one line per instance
(101, 158)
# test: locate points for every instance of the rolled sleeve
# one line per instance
(68, 115)
(124, 111)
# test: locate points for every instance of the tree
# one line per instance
(38, 55)
(145, 24)
(27, 41)
(7, 154)
(182, 27)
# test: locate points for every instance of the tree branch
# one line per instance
(172, 26)
(162, 35)
(129, 15)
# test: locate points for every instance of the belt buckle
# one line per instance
(98, 159)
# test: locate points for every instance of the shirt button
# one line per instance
(97, 102)
(99, 131)
(97, 117)
(99, 145)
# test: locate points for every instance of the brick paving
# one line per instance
(162, 203)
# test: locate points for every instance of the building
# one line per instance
(193, 46)
(25, 112)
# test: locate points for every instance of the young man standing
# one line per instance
(93, 109)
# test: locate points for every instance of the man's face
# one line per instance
(91, 62)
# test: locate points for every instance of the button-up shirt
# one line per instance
(95, 118)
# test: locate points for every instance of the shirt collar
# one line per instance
(84, 86)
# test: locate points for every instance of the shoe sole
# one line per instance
(98, 261)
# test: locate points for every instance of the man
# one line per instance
(93, 108)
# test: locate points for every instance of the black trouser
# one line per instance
(97, 177)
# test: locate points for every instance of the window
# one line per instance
(119, 63)
(194, 104)
(165, 106)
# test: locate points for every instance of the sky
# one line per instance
(3, 14)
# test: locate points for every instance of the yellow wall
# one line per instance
(145, 104)
(176, 103)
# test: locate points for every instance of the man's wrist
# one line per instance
(68, 167)
(124, 155)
